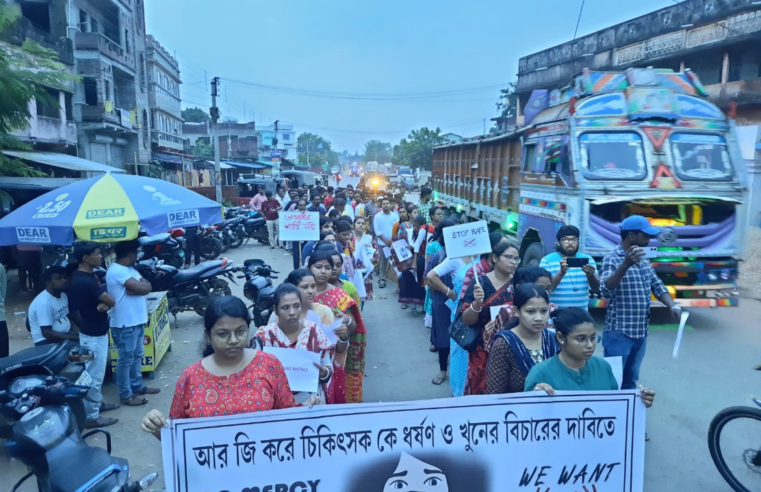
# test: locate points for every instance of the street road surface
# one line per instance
(714, 370)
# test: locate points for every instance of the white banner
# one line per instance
(299, 226)
(467, 239)
(522, 442)
(299, 367)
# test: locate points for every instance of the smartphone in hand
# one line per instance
(576, 262)
(650, 251)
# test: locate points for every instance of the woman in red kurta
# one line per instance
(230, 379)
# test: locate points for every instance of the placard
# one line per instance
(402, 249)
(467, 239)
(299, 226)
(299, 367)
(568, 442)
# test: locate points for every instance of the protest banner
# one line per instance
(299, 367)
(299, 226)
(467, 239)
(402, 249)
(568, 442)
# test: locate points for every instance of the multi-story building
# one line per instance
(164, 97)
(237, 141)
(286, 140)
(51, 127)
(111, 103)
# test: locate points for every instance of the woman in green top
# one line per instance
(575, 368)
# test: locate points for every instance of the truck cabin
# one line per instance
(646, 142)
(248, 188)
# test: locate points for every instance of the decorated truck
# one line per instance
(599, 149)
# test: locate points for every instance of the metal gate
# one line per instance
(116, 156)
(98, 153)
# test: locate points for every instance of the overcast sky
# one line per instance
(380, 47)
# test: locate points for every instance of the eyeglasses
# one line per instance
(224, 336)
(584, 341)
(512, 259)
(569, 240)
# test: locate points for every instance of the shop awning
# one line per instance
(63, 161)
(246, 165)
(15, 182)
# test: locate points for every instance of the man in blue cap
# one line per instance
(627, 279)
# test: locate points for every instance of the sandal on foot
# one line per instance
(105, 407)
(415, 313)
(404, 306)
(100, 422)
(433, 348)
(145, 390)
(438, 380)
(134, 402)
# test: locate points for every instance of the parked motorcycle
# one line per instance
(42, 419)
(167, 246)
(254, 226)
(211, 244)
(258, 289)
(191, 289)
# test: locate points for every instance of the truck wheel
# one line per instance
(533, 255)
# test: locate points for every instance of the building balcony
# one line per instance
(743, 92)
(167, 140)
(106, 47)
(97, 113)
(161, 99)
(46, 130)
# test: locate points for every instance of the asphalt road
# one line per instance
(714, 370)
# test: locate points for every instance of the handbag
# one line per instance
(467, 337)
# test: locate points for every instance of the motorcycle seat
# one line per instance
(255, 222)
(197, 271)
(154, 240)
(52, 356)
(230, 222)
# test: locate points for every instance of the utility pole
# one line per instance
(214, 112)
(274, 144)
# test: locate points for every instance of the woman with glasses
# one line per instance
(293, 331)
(526, 341)
(491, 290)
(235, 379)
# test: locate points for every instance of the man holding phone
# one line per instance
(573, 273)
(627, 280)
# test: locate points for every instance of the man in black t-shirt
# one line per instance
(89, 305)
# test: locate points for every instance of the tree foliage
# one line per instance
(321, 152)
(417, 149)
(377, 151)
(202, 149)
(195, 115)
(26, 73)
(508, 101)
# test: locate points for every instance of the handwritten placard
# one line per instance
(299, 226)
(467, 239)
(567, 442)
(402, 249)
(299, 367)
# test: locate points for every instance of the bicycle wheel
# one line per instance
(734, 439)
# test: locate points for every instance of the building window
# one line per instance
(126, 41)
(82, 20)
(91, 91)
(146, 130)
(49, 107)
(286, 136)
(141, 72)
(93, 25)
(68, 107)
(107, 90)
(37, 13)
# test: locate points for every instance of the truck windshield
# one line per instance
(617, 156)
(701, 157)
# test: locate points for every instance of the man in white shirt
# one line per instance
(383, 225)
(49, 311)
(280, 197)
(128, 318)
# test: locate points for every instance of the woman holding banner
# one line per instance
(575, 368)
(293, 330)
(236, 379)
(321, 265)
(490, 290)
(523, 343)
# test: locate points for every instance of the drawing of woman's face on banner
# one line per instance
(411, 474)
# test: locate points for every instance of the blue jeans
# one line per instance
(129, 343)
(96, 369)
(631, 351)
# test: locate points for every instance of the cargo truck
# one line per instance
(603, 147)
